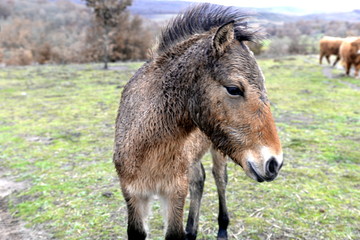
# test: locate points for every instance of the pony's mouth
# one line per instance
(253, 171)
(257, 176)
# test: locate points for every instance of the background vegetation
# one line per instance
(302, 37)
(56, 134)
(63, 32)
(42, 31)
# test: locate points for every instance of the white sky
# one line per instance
(307, 5)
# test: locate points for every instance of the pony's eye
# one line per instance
(234, 91)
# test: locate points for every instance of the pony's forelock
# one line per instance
(202, 18)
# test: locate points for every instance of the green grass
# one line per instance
(56, 132)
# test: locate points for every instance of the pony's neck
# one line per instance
(182, 68)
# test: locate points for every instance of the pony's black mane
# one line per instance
(202, 18)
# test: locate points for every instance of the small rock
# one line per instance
(107, 194)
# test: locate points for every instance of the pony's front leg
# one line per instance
(138, 208)
(197, 179)
(174, 205)
(220, 175)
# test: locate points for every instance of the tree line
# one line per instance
(302, 37)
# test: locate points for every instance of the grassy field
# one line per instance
(56, 135)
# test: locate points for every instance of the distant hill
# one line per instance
(81, 2)
(160, 10)
(146, 7)
(353, 16)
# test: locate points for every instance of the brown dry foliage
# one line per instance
(1, 54)
(302, 37)
(129, 41)
(20, 57)
(63, 32)
(45, 53)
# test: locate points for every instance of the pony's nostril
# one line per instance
(272, 166)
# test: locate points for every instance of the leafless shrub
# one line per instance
(5, 11)
(20, 57)
(63, 32)
(256, 48)
(107, 18)
(129, 41)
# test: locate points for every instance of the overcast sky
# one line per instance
(307, 5)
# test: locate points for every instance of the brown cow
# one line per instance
(330, 46)
(350, 54)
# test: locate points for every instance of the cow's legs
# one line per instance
(336, 61)
(220, 175)
(321, 57)
(347, 67)
(357, 69)
(197, 179)
(328, 58)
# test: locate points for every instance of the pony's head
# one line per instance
(229, 101)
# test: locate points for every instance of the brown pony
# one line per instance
(201, 88)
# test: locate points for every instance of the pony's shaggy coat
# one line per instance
(202, 87)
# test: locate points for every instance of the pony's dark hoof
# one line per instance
(222, 235)
(221, 238)
(190, 236)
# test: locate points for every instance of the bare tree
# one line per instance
(107, 14)
(5, 11)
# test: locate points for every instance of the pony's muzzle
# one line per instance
(272, 168)
(268, 170)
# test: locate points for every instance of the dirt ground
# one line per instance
(11, 228)
(328, 72)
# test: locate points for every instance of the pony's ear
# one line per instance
(223, 37)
